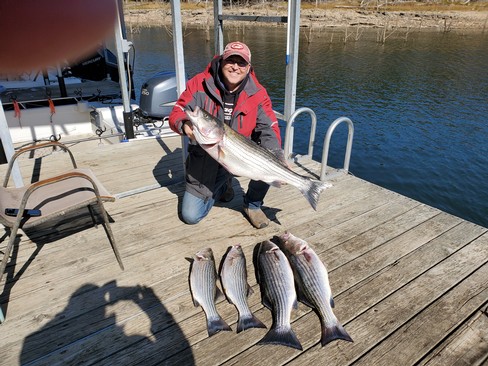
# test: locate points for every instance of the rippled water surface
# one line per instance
(419, 103)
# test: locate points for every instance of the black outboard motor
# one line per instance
(96, 67)
(158, 96)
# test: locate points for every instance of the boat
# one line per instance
(84, 100)
(53, 103)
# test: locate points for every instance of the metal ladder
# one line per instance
(289, 135)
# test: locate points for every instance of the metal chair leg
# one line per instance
(110, 235)
(6, 255)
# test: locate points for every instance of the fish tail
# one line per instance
(249, 322)
(337, 331)
(283, 336)
(313, 190)
(216, 325)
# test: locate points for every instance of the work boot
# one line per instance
(228, 195)
(256, 217)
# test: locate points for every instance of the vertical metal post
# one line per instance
(178, 47)
(219, 28)
(123, 28)
(119, 45)
(292, 60)
(61, 83)
(8, 147)
(179, 61)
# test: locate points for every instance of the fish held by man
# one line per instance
(243, 157)
(275, 278)
(233, 276)
(313, 288)
(204, 290)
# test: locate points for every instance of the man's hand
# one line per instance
(187, 129)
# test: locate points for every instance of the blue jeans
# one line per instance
(194, 209)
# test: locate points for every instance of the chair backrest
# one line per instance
(30, 148)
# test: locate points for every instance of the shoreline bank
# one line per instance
(318, 18)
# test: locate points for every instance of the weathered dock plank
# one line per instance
(468, 345)
(422, 333)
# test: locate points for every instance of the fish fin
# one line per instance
(280, 155)
(249, 291)
(195, 302)
(265, 301)
(330, 334)
(283, 336)
(312, 193)
(219, 295)
(276, 184)
(217, 325)
(249, 322)
(221, 153)
(303, 299)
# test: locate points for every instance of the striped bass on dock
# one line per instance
(313, 286)
(204, 290)
(275, 277)
(233, 276)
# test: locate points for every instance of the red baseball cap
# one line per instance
(239, 49)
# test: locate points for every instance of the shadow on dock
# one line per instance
(96, 329)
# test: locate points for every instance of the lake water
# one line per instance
(419, 103)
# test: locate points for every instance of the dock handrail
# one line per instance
(288, 147)
(325, 151)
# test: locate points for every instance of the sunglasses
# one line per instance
(239, 61)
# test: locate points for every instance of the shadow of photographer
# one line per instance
(88, 330)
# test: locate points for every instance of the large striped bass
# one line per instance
(275, 278)
(233, 276)
(313, 286)
(204, 291)
(243, 157)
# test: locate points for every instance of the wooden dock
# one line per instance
(410, 282)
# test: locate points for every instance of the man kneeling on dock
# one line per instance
(229, 90)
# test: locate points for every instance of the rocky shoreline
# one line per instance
(338, 17)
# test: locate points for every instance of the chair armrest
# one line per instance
(69, 204)
(32, 148)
